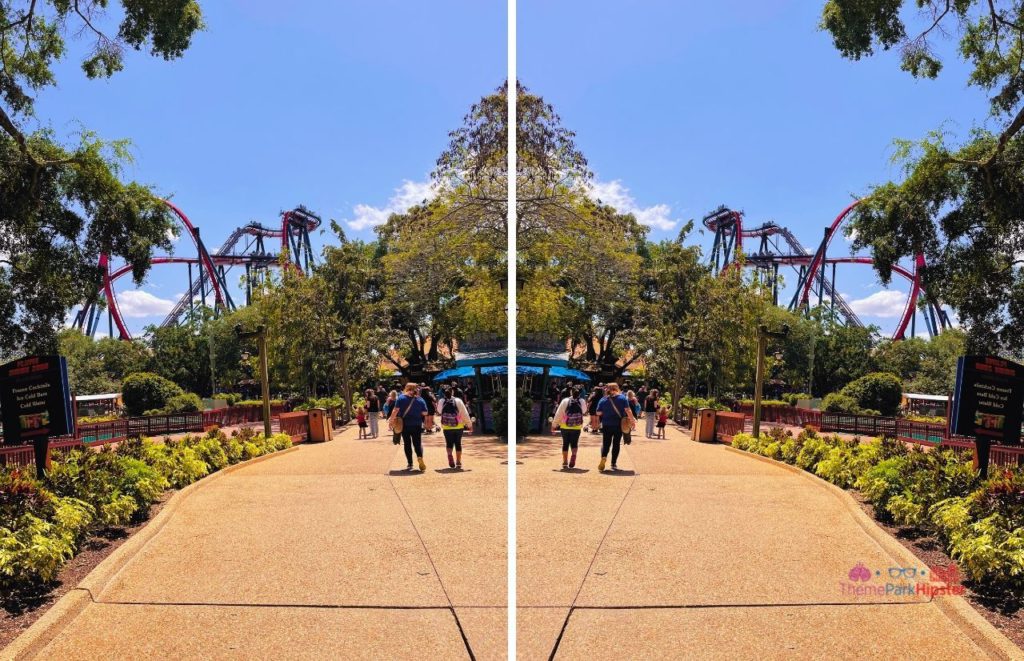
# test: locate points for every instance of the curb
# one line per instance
(979, 630)
(67, 608)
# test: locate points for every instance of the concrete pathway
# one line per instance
(698, 551)
(326, 551)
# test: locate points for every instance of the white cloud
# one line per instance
(614, 193)
(409, 194)
(884, 303)
(137, 303)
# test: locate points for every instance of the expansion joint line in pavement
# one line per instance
(423, 543)
(558, 641)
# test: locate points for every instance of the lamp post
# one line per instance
(762, 344)
(261, 347)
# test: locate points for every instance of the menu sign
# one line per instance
(35, 399)
(987, 399)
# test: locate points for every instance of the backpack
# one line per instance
(450, 413)
(574, 414)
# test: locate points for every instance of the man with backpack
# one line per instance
(568, 419)
(455, 420)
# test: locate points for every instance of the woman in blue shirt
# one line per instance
(612, 409)
(412, 409)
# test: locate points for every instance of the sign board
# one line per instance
(987, 399)
(35, 399)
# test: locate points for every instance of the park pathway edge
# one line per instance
(67, 608)
(955, 608)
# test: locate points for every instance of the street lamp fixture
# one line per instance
(260, 335)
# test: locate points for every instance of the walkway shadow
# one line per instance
(574, 471)
(453, 470)
(402, 472)
(619, 473)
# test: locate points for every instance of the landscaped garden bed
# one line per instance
(933, 501)
(88, 496)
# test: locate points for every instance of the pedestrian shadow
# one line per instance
(622, 472)
(404, 472)
(453, 470)
(574, 471)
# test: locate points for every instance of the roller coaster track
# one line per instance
(727, 225)
(296, 225)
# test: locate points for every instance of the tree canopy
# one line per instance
(961, 200)
(63, 200)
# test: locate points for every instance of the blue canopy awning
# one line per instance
(567, 372)
(457, 373)
(520, 369)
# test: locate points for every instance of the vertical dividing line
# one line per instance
(511, 224)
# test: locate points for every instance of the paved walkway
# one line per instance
(698, 551)
(326, 551)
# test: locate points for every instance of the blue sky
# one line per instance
(683, 106)
(343, 107)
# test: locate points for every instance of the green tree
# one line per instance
(86, 372)
(959, 202)
(63, 202)
(841, 355)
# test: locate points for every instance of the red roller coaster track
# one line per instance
(296, 223)
(729, 234)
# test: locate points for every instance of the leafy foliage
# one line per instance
(64, 203)
(958, 203)
(43, 523)
(146, 391)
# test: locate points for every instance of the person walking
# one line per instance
(635, 407)
(431, 402)
(372, 411)
(411, 410)
(662, 421)
(568, 419)
(455, 420)
(386, 408)
(616, 417)
(592, 401)
(651, 411)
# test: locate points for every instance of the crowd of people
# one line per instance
(414, 411)
(612, 413)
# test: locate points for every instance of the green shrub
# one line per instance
(882, 482)
(838, 402)
(991, 550)
(184, 403)
(951, 516)
(231, 398)
(742, 441)
(33, 551)
(792, 398)
(812, 452)
(211, 451)
(145, 391)
(878, 391)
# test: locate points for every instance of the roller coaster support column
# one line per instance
(763, 334)
(261, 346)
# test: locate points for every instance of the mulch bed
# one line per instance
(20, 610)
(1004, 613)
